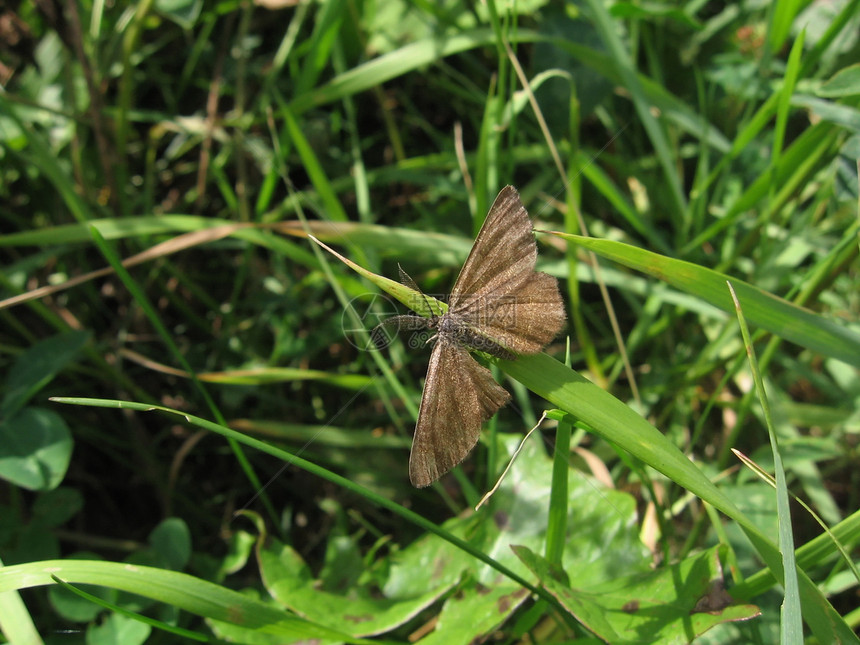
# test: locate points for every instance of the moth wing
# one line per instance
(505, 249)
(459, 395)
(524, 320)
(498, 292)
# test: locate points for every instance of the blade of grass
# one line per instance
(791, 626)
(146, 620)
(796, 165)
(418, 302)
(812, 554)
(396, 63)
(556, 532)
(767, 477)
(763, 309)
(197, 596)
(16, 623)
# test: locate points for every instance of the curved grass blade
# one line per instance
(762, 309)
(197, 596)
(415, 300)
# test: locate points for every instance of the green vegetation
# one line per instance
(199, 441)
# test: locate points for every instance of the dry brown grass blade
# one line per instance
(163, 249)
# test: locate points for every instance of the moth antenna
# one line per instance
(407, 281)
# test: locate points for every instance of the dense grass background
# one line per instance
(201, 142)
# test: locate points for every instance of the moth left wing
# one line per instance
(459, 395)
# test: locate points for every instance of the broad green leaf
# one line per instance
(36, 367)
(35, 449)
(672, 604)
(360, 613)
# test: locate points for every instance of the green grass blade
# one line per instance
(791, 625)
(763, 309)
(16, 623)
(181, 590)
(391, 65)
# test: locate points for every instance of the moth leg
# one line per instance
(407, 322)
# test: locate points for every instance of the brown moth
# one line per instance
(499, 305)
